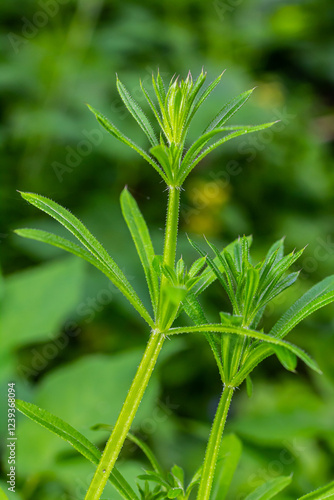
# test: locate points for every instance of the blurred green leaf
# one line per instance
(3, 495)
(270, 489)
(228, 461)
(39, 300)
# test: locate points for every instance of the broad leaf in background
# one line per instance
(44, 297)
(293, 413)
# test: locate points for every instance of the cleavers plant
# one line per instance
(237, 343)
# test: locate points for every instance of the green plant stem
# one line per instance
(171, 225)
(145, 369)
(126, 416)
(212, 450)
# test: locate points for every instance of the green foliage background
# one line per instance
(68, 339)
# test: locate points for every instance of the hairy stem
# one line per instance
(212, 450)
(144, 372)
(171, 226)
(126, 416)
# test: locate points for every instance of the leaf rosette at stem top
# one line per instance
(173, 109)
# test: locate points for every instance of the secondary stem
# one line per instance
(125, 418)
(212, 450)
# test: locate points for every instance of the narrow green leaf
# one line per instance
(138, 442)
(287, 358)
(174, 492)
(251, 284)
(245, 254)
(321, 493)
(199, 144)
(280, 287)
(270, 488)
(276, 249)
(108, 266)
(197, 266)
(221, 141)
(228, 345)
(221, 275)
(229, 110)
(198, 84)
(137, 113)
(162, 154)
(77, 440)
(237, 254)
(229, 272)
(151, 104)
(123, 138)
(154, 477)
(64, 244)
(253, 334)
(255, 356)
(157, 264)
(178, 474)
(3, 495)
(148, 452)
(318, 296)
(194, 480)
(161, 86)
(193, 309)
(208, 276)
(228, 460)
(204, 95)
(231, 264)
(141, 237)
(276, 273)
(160, 93)
(169, 273)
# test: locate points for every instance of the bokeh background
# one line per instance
(69, 340)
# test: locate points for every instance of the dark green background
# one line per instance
(55, 57)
